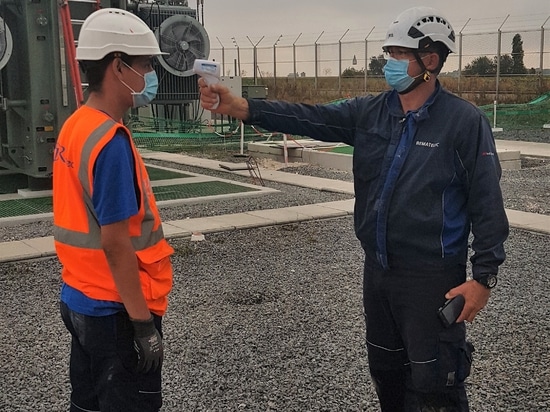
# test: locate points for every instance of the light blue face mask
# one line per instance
(149, 91)
(396, 73)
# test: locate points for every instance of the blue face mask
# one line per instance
(149, 91)
(397, 75)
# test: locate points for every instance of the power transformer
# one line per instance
(34, 89)
(180, 34)
(37, 93)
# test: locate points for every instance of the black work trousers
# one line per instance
(415, 362)
(103, 365)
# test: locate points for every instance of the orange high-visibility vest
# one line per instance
(77, 232)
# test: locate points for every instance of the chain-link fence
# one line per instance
(321, 65)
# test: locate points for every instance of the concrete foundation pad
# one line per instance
(170, 230)
(529, 221)
(341, 205)
(509, 159)
(43, 245)
(317, 211)
(29, 194)
(18, 250)
(280, 216)
(234, 166)
(202, 224)
(248, 219)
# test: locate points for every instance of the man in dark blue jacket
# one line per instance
(426, 176)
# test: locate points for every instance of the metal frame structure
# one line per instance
(40, 82)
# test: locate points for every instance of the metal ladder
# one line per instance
(70, 43)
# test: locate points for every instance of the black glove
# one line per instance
(148, 345)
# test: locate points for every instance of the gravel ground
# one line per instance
(270, 319)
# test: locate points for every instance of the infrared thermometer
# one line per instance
(210, 71)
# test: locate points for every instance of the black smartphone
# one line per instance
(450, 311)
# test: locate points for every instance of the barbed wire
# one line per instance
(506, 23)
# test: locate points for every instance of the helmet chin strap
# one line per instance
(423, 77)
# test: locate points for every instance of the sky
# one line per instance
(261, 22)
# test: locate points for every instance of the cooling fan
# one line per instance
(6, 43)
(186, 40)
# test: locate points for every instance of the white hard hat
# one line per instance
(420, 27)
(115, 30)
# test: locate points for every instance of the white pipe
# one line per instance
(242, 138)
(494, 113)
(285, 149)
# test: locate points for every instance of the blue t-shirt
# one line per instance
(115, 198)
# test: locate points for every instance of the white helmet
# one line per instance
(115, 30)
(418, 28)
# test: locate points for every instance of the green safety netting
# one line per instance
(174, 135)
(532, 115)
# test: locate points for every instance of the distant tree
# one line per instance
(483, 66)
(480, 66)
(376, 64)
(353, 72)
(517, 55)
(506, 64)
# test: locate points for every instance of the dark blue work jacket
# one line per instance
(423, 180)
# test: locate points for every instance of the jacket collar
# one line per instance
(394, 105)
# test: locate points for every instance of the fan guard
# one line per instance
(186, 40)
(6, 43)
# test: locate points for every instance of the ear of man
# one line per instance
(432, 63)
(116, 66)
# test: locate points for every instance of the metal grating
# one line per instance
(25, 207)
(39, 205)
(203, 189)
(162, 174)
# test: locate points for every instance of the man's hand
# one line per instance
(231, 105)
(148, 345)
(475, 295)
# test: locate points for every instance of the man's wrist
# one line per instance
(488, 280)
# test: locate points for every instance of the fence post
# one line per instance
(340, 62)
(223, 56)
(275, 61)
(542, 52)
(460, 38)
(294, 55)
(255, 57)
(238, 67)
(367, 57)
(317, 59)
(499, 46)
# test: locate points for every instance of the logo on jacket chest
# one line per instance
(427, 144)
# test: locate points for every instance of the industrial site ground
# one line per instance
(270, 319)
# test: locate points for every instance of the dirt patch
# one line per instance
(270, 164)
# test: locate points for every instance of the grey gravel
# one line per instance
(270, 319)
